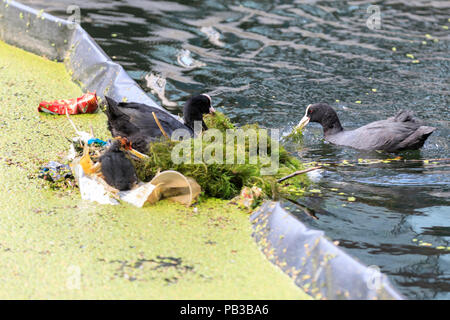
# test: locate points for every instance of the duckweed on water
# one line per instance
(53, 245)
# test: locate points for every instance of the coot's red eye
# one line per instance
(309, 111)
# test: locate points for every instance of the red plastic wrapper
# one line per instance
(87, 103)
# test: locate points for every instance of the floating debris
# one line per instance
(40, 13)
(351, 199)
(394, 49)
(157, 85)
(213, 36)
(428, 244)
(185, 60)
(377, 161)
(248, 198)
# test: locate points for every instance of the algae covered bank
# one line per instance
(54, 245)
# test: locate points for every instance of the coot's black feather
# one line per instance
(117, 168)
(135, 121)
(401, 132)
(195, 108)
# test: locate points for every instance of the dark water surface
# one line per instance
(265, 61)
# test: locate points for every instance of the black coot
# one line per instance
(116, 168)
(195, 108)
(135, 121)
(401, 132)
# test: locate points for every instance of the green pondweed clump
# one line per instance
(218, 121)
(219, 172)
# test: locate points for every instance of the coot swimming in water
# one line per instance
(116, 168)
(401, 132)
(135, 121)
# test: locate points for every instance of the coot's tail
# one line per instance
(417, 139)
(112, 112)
(112, 109)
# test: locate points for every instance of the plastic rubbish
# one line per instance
(91, 188)
(185, 59)
(55, 171)
(213, 35)
(144, 193)
(177, 187)
(169, 184)
(96, 141)
(81, 135)
(248, 197)
(87, 103)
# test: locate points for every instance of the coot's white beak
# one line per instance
(304, 121)
(212, 110)
(206, 95)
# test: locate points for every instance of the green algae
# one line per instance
(221, 179)
(54, 245)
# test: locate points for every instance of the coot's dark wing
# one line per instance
(417, 139)
(386, 135)
(141, 116)
(119, 123)
(416, 133)
(404, 116)
(135, 121)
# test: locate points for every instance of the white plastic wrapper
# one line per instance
(91, 189)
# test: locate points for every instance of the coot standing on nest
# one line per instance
(116, 168)
(401, 132)
(136, 122)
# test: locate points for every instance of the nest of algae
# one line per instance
(222, 180)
